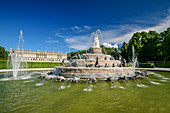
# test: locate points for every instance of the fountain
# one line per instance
(35, 94)
(94, 64)
(134, 59)
(16, 58)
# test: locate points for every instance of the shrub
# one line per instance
(145, 65)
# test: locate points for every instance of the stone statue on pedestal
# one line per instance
(124, 63)
(97, 62)
(96, 42)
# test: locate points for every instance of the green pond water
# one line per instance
(149, 95)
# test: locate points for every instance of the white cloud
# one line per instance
(81, 47)
(78, 42)
(119, 35)
(110, 46)
(52, 41)
(115, 46)
(87, 27)
(62, 36)
(160, 27)
(75, 28)
(81, 29)
(49, 38)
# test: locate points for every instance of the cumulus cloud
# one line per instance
(160, 27)
(110, 46)
(120, 34)
(78, 42)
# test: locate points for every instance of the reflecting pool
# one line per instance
(34, 94)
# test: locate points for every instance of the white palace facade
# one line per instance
(40, 56)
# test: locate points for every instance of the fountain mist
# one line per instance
(134, 59)
(16, 58)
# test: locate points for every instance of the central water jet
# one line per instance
(16, 59)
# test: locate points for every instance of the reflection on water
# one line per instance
(89, 88)
(62, 87)
(163, 80)
(38, 84)
(117, 86)
(9, 76)
(155, 83)
(141, 85)
(28, 81)
(17, 78)
(38, 95)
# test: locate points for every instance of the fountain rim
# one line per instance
(94, 67)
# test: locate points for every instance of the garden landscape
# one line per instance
(84, 56)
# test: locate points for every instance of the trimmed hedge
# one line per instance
(3, 59)
(162, 65)
(146, 65)
(129, 64)
(162, 62)
(151, 65)
(42, 64)
(3, 64)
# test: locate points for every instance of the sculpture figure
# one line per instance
(124, 63)
(63, 64)
(96, 42)
(97, 62)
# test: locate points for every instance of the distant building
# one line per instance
(40, 56)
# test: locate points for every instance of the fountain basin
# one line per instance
(94, 64)
(97, 72)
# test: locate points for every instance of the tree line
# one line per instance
(3, 53)
(149, 46)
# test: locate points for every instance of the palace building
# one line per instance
(40, 56)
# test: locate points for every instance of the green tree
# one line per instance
(154, 45)
(76, 53)
(124, 50)
(114, 52)
(144, 52)
(166, 44)
(136, 42)
(148, 46)
(3, 53)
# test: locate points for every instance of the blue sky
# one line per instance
(66, 25)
